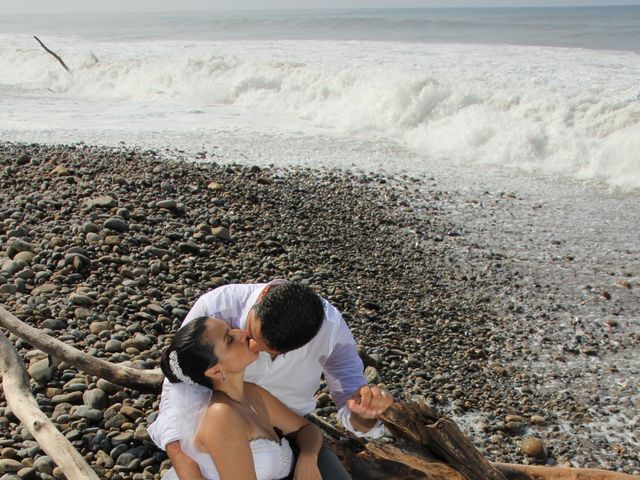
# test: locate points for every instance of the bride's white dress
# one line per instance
(271, 460)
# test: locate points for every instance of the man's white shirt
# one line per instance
(293, 377)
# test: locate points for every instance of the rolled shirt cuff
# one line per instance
(344, 414)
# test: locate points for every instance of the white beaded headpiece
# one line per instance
(176, 370)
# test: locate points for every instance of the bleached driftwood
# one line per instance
(137, 379)
(55, 55)
(17, 391)
(426, 446)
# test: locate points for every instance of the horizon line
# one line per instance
(311, 9)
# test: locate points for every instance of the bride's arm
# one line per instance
(224, 436)
(307, 436)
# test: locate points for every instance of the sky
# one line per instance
(89, 6)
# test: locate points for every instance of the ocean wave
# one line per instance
(547, 110)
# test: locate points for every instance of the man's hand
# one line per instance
(366, 404)
(184, 465)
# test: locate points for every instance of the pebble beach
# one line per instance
(529, 343)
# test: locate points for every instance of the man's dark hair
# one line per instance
(195, 353)
(290, 315)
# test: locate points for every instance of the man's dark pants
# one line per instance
(328, 462)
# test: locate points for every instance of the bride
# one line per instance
(235, 429)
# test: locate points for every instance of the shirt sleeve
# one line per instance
(344, 415)
(166, 428)
(343, 372)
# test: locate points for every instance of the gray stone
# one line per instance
(103, 458)
(23, 159)
(124, 437)
(538, 420)
(141, 434)
(73, 435)
(28, 473)
(9, 288)
(514, 428)
(156, 251)
(222, 233)
(40, 371)
(108, 387)
(92, 237)
(81, 300)
(97, 327)
(167, 204)
(322, 400)
(11, 266)
(43, 464)
(19, 245)
(93, 415)
(113, 346)
(534, 447)
(26, 274)
(189, 248)
(140, 342)
(53, 324)
(90, 228)
(26, 257)
(104, 201)
(71, 397)
(118, 224)
(367, 360)
(131, 412)
(81, 313)
(115, 422)
(95, 398)
(9, 465)
(372, 375)
(44, 289)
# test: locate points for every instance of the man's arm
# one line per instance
(166, 430)
(359, 404)
(183, 464)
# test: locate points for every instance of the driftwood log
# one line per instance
(142, 380)
(17, 391)
(55, 55)
(422, 436)
(426, 446)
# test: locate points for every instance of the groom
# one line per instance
(299, 337)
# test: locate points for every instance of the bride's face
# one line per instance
(231, 345)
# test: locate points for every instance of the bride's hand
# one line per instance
(307, 469)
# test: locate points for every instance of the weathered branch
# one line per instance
(541, 472)
(430, 468)
(143, 380)
(440, 438)
(18, 394)
(55, 55)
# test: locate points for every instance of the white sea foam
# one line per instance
(566, 112)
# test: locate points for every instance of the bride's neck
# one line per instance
(233, 387)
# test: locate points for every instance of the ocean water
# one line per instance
(543, 92)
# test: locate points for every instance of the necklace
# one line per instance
(247, 403)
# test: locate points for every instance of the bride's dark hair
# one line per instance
(195, 353)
